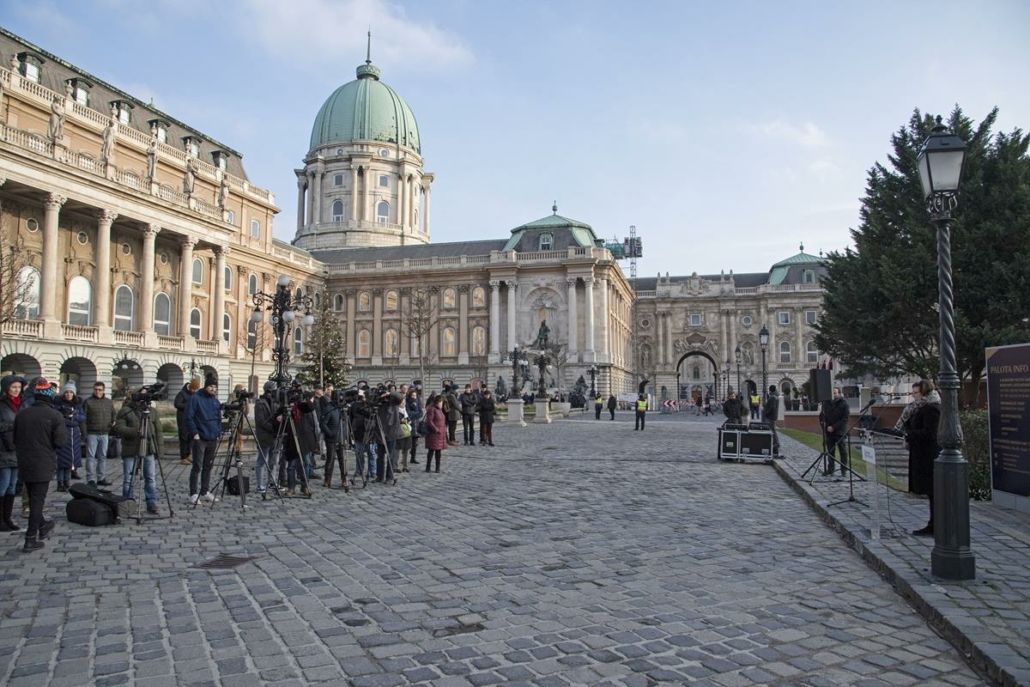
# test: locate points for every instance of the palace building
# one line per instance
(136, 243)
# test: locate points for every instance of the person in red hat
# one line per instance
(38, 432)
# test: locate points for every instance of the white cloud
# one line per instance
(807, 135)
(317, 34)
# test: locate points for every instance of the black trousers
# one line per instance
(36, 492)
(335, 453)
(185, 442)
(452, 428)
(839, 443)
(203, 463)
(468, 427)
(641, 416)
(611, 411)
(433, 453)
(597, 412)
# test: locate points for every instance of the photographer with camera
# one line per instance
(299, 440)
(267, 420)
(127, 425)
(203, 419)
(333, 425)
(389, 412)
(364, 443)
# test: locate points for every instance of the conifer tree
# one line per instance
(324, 359)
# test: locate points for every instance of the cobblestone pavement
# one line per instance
(576, 553)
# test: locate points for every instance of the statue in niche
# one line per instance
(56, 125)
(110, 135)
(152, 159)
(223, 191)
(189, 178)
(541, 335)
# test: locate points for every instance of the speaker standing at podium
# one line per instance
(733, 409)
(834, 418)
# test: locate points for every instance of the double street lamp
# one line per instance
(593, 379)
(737, 355)
(283, 308)
(940, 171)
(519, 363)
(763, 341)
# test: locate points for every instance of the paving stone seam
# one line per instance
(980, 658)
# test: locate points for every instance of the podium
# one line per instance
(744, 444)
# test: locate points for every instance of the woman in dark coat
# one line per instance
(436, 442)
(10, 402)
(919, 423)
(413, 404)
(69, 456)
(487, 409)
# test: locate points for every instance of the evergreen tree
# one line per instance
(323, 361)
(880, 312)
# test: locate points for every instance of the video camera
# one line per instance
(344, 397)
(147, 394)
(238, 403)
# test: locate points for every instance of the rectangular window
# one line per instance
(82, 96)
(123, 115)
(783, 317)
(338, 180)
(384, 181)
(696, 319)
(31, 71)
(811, 316)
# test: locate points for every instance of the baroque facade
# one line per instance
(140, 241)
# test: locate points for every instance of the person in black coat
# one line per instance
(834, 418)
(334, 432)
(733, 409)
(185, 440)
(487, 410)
(267, 421)
(919, 422)
(612, 403)
(11, 388)
(39, 431)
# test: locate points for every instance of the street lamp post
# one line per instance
(518, 364)
(543, 364)
(940, 172)
(593, 379)
(282, 307)
(678, 392)
(763, 341)
(726, 379)
(737, 355)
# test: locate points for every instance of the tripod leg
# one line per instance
(137, 476)
(164, 485)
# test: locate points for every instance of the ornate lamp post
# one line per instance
(679, 393)
(519, 362)
(940, 172)
(763, 341)
(593, 379)
(543, 363)
(737, 355)
(726, 378)
(282, 307)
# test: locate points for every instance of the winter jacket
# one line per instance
(266, 429)
(450, 401)
(70, 454)
(437, 439)
(303, 414)
(921, 435)
(771, 409)
(332, 424)
(181, 399)
(835, 413)
(39, 431)
(203, 416)
(390, 418)
(100, 414)
(487, 408)
(469, 403)
(359, 415)
(127, 426)
(611, 403)
(733, 409)
(8, 456)
(415, 411)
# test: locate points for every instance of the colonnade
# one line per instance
(411, 191)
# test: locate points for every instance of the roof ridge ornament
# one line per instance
(368, 70)
(554, 207)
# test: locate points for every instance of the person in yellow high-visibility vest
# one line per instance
(641, 413)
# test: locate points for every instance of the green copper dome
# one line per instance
(365, 110)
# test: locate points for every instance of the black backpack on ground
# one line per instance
(88, 512)
(120, 507)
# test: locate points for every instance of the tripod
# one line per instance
(376, 433)
(138, 466)
(234, 453)
(338, 454)
(279, 454)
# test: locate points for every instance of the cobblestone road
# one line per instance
(577, 553)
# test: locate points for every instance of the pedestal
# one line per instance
(543, 411)
(515, 412)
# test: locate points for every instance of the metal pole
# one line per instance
(765, 376)
(951, 559)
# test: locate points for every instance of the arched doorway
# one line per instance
(21, 365)
(697, 369)
(81, 372)
(173, 376)
(126, 374)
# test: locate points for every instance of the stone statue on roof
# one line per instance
(189, 178)
(152, 159)
(110, 135)
(56, 125)
(223, 191)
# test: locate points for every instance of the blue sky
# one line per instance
(728, 133)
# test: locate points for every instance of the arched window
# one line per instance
(226, 327)
(478, 341)
(364, 344)
(298, 341)
(195, 330)
(383, 212)
(124, 308)
(230, 217)
(162, 314)
(80, 301)
(391, 301)
(479, 297)
(26, 305)
(338, 302)
(416, 346)
(255, 228)
(811, 353)
(364, 301)
(448, 342)
(546, 241)
(198, 271)
(390, 343)
(318, 301)
(251, 335)
(338, 211)
(227, 278)
(785, 356)
(696, 372)
(252, 284)
(448, 298)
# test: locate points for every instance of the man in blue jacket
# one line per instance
(204, 424)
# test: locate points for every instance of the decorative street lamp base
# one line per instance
(951, 558)
(515, 414)
(543, 412)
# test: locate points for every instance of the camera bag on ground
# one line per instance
(232, 485)
(120, 508)
(89, 513)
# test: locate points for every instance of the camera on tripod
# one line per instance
(147, 394)
(342, 398)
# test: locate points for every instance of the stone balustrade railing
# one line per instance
(460, 260)
(27, 328)
(673, 289)
(123, 338)
(172, 343)
(72, 332)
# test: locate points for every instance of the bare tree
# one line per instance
(253, 344)
(13, 292)
(559, 354)
(419, 315)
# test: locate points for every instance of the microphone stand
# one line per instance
(851, 472)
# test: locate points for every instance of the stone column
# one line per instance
(425, 214)
(589, 330)
(606, 317)
(312, 218)
(102, 295)
(319, 172)
(573, 321)
(732, 350)
(218, 298)
(413, 192)
(402, 189)
(353, 192)
(145, 323)
(724, 332)
(463, 324)
(377, 326)
(668, 338)
(186, 285)
(495, 321)
(352, 344)
(512, 334)
(799, 357)
(50, 269)
(301, 183)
